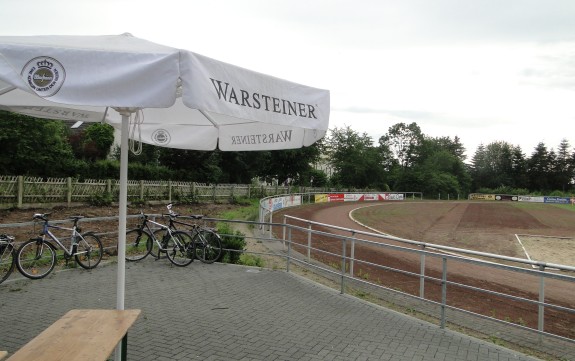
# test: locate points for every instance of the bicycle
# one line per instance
(7, 256)
(207, 241)
(177, 245)
(37, 257)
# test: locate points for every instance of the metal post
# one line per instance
(344, 246)
(122, 220)
(288, 251)
(541, 307)
(443, 292)
(422, 273)
(309, 242)
(352, 254)
(284, 232)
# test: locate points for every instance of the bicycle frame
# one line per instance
(52, 237)
(147, 227)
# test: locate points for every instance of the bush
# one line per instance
(233, 242)
(100, 200)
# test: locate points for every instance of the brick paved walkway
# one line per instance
(226, 312)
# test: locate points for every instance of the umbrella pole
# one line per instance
(123, 213)
(123, 200)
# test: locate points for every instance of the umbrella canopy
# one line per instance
(184, 100)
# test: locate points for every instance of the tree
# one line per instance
(356, 162)
(403, 140)
(35, 147)
(497, 165)
(93, 143)
(563, 167)
(539, 167)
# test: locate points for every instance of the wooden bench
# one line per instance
(87, 335)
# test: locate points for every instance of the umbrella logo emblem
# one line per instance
(44, 75)
(161, 137)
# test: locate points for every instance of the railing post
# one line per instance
(352, 254)
(541, 307)
(283, 231)
(443, 292)
(309, 242)
(343, 251)
(422, 272)
(288, 250)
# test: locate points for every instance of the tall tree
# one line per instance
(539, 167)
(493, 167)
(403, 140)
(563, 167)
(356, 162)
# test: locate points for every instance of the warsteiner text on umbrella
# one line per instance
(276, 105)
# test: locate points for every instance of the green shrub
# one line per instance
(233, 242)
(251, 260)
(99, 200)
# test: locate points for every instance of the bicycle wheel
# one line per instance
(162, 236)
(208, 246)
(138, 245)
(180, 249)
(35, 258)
(7, 261)
(89, 252)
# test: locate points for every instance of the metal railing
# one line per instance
(430, 274)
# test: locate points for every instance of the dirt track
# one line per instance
(486, 227)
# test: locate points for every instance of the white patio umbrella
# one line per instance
(183, 100)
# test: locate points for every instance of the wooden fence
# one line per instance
(21, 191)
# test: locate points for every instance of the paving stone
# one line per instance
(225, 312)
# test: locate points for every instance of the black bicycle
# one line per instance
(7, 256)
(37, 257)
(177, 245)
(207, 241)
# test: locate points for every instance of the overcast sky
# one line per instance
(483, 70)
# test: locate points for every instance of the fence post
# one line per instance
(308, 242)
(249, 191)
(20, 193)
(443, 292)
(141, 190)
(422, 273)
(352, 254)
(69, 191)
(214, 193)
(288, 250)
(169, 191)
(541, 307)
(344, 246)
(109, 186)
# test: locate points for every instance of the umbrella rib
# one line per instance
(7, 90)
(208, 117)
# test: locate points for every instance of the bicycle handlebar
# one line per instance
(5, 237)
